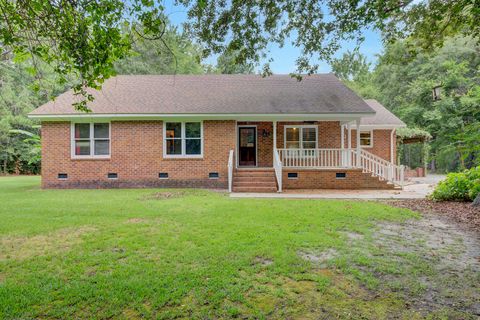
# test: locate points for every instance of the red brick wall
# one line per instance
(326, 179)
(137, 157)
(381, 143)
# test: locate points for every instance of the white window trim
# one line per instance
(183, 138)
(300, 135)
(91, 139)
(371, 138)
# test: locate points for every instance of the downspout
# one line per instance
(392, 158)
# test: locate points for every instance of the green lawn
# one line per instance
(196, 254)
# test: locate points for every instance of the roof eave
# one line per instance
(382, 126)
(186, 116)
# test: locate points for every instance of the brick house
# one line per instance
(237, 132)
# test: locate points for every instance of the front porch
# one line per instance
(307, 155)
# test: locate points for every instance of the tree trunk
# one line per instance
(476, 202)
(17, 167)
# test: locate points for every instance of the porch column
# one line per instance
(274, 138)
(358, 143)
(349, 145)
(342, 145)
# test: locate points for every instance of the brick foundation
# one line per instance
(326, 179)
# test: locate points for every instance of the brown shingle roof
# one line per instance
(215, 94)
(382, 116)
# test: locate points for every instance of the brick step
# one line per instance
(255, 183)
(255, 178)
(254, 174)
(255, 189)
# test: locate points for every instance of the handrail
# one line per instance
(230, 170)
(382, 168)
(277, 165)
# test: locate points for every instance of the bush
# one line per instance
(463, 186)
(474, 176)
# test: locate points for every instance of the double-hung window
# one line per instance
(183, 139)
(91, 140)
(366, 138)
(301, 137)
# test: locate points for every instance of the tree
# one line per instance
(85, 37)
(231, 63)
(404, 83)
(354, 70)
(352, 66)
(17, 98)
(19, 154)
(175, 53)
(34, 154)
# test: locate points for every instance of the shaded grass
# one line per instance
(190, 254)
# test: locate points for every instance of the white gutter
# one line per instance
(231, 116)
(391, 146)
(382, 126)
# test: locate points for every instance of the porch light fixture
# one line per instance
(265, 133)
(436, 93)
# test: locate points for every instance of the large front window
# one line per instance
(183, 139)
(301, 137)
(91, 140)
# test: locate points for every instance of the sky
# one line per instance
(284, 58)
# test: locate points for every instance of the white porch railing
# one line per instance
(277, 165)
(342, 158)
(315, 158)
(230, 171)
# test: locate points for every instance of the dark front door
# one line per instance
(247, 146)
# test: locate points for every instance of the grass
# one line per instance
(165, 254)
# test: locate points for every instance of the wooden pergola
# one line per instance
(414, 135)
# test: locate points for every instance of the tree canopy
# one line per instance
(175, 53)
(22, 90)
(85, 37)
(404, 83)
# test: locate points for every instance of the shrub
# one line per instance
(463, 186)
(473, 175)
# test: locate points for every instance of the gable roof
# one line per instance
(382, 117)
(215, 94)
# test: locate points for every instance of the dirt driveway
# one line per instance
(450, 249)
